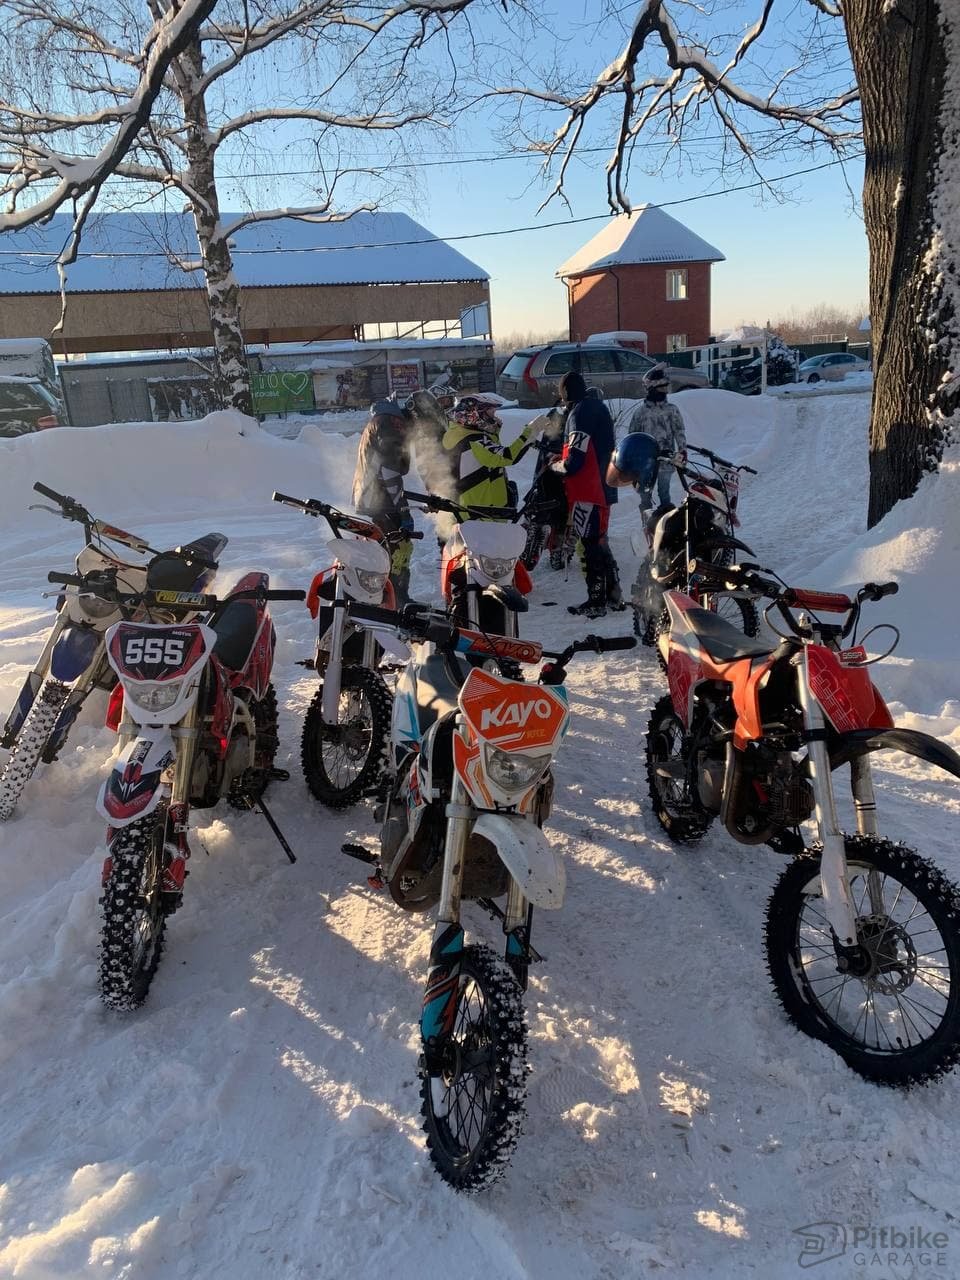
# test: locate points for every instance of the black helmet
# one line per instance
(636, 458)
(656, 379)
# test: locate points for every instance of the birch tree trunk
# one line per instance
(899, 56)
(223, 292)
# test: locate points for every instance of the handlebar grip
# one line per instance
(426, 498)
(877, 590)
(294, 593)
(415, 535)
(47, 492)
(750, 471)
(65, 579)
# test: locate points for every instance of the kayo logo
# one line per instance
(514, 714)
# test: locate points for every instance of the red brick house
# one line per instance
(644, 271)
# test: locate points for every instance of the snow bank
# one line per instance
(223, 462)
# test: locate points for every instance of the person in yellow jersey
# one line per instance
(478, 461)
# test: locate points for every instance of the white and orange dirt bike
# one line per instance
(196, 716)
(73, 661)
(346, 730)
(862, 934)
(462, 819)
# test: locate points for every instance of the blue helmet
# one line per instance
(636, 458)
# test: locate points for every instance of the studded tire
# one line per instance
(19, 766)
(682, 816)
(498, 1028)
(134, 919)
(370, 751)
(914, 887)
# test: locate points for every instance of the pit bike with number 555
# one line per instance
(346, 730)
(862, 934)
(461, 820)
(73, 661)
(196, 715)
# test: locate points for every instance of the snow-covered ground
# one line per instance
(258, 1118)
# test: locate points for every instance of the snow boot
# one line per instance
(615, 600)
(595, 605)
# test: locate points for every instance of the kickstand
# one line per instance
(271, 823)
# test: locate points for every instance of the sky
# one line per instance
(781, 257)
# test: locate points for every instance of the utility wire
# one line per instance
(473, 235)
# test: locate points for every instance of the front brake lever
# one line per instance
(42, 506)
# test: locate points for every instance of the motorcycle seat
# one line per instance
(436, 692)
(236, 629)
(722, 641)
(209, 546)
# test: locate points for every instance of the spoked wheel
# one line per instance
(134, 919)
(342, 762)
(894, 1014)
(677, 809)
(473, 1086)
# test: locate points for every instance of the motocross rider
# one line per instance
(383, 459)
(587, 445)
(664, 422)
(478, 462)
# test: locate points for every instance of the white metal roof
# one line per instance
(646, 235)
(130, 251)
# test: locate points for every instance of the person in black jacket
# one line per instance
(383, 459)
(589, 440)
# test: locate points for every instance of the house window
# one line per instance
(676, 286)
(676, 342)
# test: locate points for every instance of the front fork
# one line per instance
(31, 686)
(333, 671)
(835, 885)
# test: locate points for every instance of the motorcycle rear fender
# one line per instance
(859, 742)
(528, 855)
(134, 788)
(75, 649)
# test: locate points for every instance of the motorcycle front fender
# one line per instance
(859, 742)
(134, 788)
(721, 540)
(528, 855)
(74, 651)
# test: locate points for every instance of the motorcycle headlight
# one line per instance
(94, 607)
(151, 695)
(514, 771)
(496, 567)
(372, 582)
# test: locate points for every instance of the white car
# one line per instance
(831, 367)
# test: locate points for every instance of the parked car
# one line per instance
(831, 367)
(26, 405)
(532, 375)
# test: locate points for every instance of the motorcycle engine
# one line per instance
(771, 794)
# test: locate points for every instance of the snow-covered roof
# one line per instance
(130, 251)
(646, 235)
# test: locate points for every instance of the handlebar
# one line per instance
(104, 585)
(432, 502)
(723, 462)
(338, 520)
(70, 507)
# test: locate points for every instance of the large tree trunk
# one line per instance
(223, 292)
(900, 62)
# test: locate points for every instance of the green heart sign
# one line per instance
(281, 392)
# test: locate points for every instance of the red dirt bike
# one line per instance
(862, 935)
(197, 714)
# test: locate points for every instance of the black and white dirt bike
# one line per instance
(546, 501)
(73, 661)
(346, 731)
(702, 527)
(862, 934)
(196, 715)
(463, 820)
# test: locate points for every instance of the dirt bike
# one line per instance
(546, 503)
(462, 821)
(73, 661)
(862, 935)
(483, 580)
(346, 730)
(197, 716)
(702, 527)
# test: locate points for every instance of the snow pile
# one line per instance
(263, 1105)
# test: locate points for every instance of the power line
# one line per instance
(473, 235)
